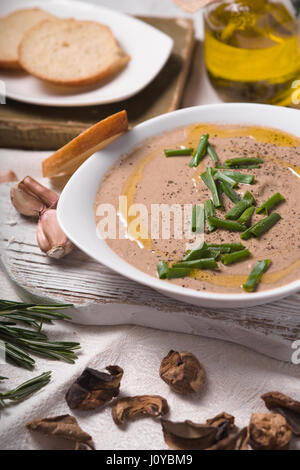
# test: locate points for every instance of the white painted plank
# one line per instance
(103, 297)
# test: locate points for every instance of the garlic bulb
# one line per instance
(50, 237)
(25, 203)
(47, 196)
(30, 197)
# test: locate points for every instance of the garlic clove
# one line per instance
(25, 203)
(7, 176)
(47, 196)
(50, 237)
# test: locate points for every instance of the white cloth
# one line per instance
(236, 376)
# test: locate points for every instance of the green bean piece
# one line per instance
(212, 153)
(247, 234)
(245, 167)
(219, 175)
(198, 219)
(209, 210)
(200, 151)
(178, 152)
(239, 177)
(270, 203)
(255, 276)
(249, 198)
(232, 247)
(220, 250)
(233, 167)
(162, 270)
(235, 257)
(175, 273)
(214, 253)
(232, 225)
(206, 263)
(245, 161)
(208, 179)
(201, 252)
(237, 210)
(197, 253)
(246, 216)
(230, 193)
(240, 207)
(261, 227)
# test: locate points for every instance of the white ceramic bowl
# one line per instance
(75, 208)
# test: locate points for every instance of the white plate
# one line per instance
(148, 47)
(75, 208)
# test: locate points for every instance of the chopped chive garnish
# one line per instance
(212, 153)
(230, 193)
(226, 224)
(239, 177)
(246, 216)
(219, 175)
(256, 274)
(208, 179)
(200, 151)
(261, 227)
(206, 263)
(235, 257)
(270, 203)
(240, 206)
(209, 210)
(198, 219)
(245, 161)
(162, 270)
(232, 247)
(178, 152)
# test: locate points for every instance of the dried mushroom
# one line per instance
(269, 431)
(93, 388)
(235, 441)
(146, 405)
(224, 422)
(286, 406)
(182, 372)
(188, 435)
(218, 433)
(64, 426)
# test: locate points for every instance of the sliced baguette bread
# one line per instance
(71, 53)
(12, 29)
(67, 159)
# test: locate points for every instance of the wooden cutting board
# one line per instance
(103, 297)
(47, 128)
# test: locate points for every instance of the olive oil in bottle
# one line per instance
(252, 49)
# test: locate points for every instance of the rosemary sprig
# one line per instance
(32, 314)
(26, 389)
(19, 343)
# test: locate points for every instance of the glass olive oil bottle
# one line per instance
(252, 49)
